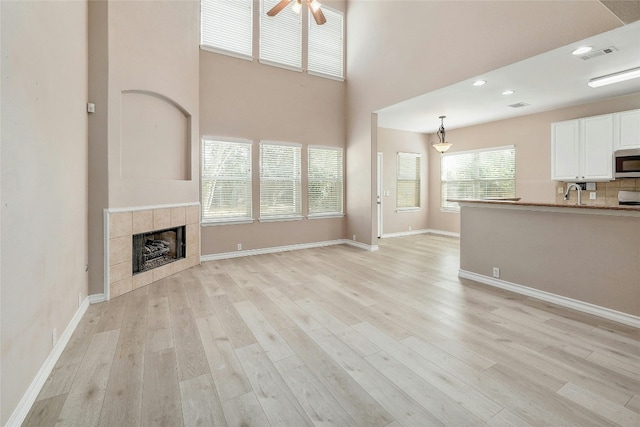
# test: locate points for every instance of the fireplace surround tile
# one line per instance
(124, 224)
(120, 271)
(142, 221)
(161, 218)
(120, 250)
(178, 216)
(142, 279)
(121, 224)
(192, 215)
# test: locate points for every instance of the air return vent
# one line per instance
(519, 105)
(597, 53)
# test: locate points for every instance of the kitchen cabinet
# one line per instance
(626, 130)
(582, 149)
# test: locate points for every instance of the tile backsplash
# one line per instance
(606, 192)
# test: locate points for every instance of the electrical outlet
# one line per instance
(354, 237)
(79, 299)
(409, 228)
(592, 195)
(54, 337)
(560, 190)
(496, 272)
(239, 246)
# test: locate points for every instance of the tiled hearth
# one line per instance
(122, 224)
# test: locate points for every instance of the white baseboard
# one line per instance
(370, 248)
(443, 233)
(585, 307)
(404, 233)
(423, 231)
(96, 298)
(20, 413)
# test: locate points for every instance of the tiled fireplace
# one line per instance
(173, 231)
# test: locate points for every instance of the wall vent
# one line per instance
(519, 105)
(597, 53)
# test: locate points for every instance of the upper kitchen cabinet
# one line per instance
(582, 149)
(626, 130)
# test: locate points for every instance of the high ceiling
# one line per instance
(552, 80)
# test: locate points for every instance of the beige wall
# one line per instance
(144, 82)
(44, 183)
(531, 136)
(390, 142)
(401, 49)
(590, 258)
(249, 100)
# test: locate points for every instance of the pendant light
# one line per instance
(441, 146)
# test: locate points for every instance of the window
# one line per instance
(280, 181)
(325, 181)
(226, 26)
(408, 181)
(280, 37)
(226, 180)
(478, 174)
(326, 45)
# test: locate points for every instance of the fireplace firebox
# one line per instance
(157, 248)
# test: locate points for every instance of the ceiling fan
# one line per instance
(314, 7)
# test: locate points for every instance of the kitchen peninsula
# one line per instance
(583, 257)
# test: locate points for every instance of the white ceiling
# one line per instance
(554, 79)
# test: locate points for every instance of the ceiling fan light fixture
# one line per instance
(296, 7)
(441, 146)
(621, 76)
(315, 5)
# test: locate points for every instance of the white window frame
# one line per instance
(402, 175)
(337, 177)
(206, 175)
(296, 178)
(231, 21)
(281, 33)
(453, 207)
(326, 35)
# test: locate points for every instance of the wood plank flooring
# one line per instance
(338, 336)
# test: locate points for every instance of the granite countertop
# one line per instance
(550, 205)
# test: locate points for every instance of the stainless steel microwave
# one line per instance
(627, 163)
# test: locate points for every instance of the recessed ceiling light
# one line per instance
(479, 82)
(581, 50)
(508, 92)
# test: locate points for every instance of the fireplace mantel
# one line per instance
(120, 226)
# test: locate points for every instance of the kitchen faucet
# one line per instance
(577, 187)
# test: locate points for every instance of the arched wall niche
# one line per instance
(155, 137)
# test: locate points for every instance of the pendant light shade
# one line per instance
(441, 146)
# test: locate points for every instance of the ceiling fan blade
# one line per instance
(318, 16)
(277, 8)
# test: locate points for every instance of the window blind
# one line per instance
(325, 181)
(325, 55)
(226, 180)
(227, 26)
(280, 37)
(479, 174)
(279, 180)
(408, 181)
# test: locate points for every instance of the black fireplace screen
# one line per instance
(157, 248)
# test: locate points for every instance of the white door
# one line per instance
(379, 192)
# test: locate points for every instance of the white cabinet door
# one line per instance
(565, 150)
(626, 130)
(596, 148)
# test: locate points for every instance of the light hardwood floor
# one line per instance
(340, 336)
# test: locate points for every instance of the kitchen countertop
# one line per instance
(554, 206)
